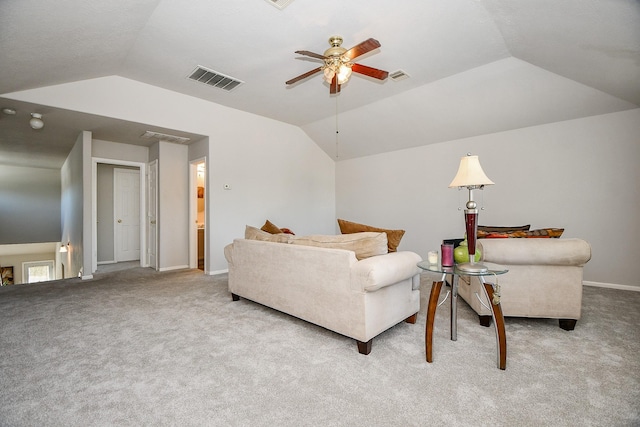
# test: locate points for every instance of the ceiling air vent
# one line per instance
(280, 4)
(214, 78)
(398, 75)
(165, 137)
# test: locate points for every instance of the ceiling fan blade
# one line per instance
(362, 48)
(303, 76)
(335, 86)
(369, 71)
(311, 54)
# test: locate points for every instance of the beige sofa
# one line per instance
(329, 287)
(544, 279)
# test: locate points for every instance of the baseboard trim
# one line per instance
(213, 273)
(612, 286)
(107, 262)
(175, 267)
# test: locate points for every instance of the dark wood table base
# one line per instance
(496, 314)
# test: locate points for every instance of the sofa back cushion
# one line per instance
(393, 236)
(253, 233)
(365, 244)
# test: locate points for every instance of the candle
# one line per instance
(447, 254)
(432, 257)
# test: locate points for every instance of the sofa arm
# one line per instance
(371, 274)
(575, 252)
(228, 251)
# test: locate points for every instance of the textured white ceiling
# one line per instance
(475, 66)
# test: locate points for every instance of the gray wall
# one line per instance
(29, 205)
(580, 175)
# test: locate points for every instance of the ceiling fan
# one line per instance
(338, 63)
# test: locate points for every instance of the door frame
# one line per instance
(152, 166)
(142, 169)
(193, 212)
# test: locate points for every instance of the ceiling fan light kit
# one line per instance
(338, 65)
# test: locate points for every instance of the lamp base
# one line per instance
(472, 267)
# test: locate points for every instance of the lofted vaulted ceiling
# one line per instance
(474, 66)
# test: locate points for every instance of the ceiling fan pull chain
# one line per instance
(337, 131)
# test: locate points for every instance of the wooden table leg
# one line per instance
(431, 314)
(498, 320)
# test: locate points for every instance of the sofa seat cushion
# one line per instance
(564, 252)
(364, 245)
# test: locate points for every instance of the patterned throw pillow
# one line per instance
(504, 229)
(543, 233)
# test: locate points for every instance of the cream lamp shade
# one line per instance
(470, 174)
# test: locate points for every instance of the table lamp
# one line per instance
(471, 176)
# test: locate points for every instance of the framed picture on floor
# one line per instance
(7, 275)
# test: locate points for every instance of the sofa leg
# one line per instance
(567, 324)
(412, 319)
(484, 320)
(364, 347)
(235, 297)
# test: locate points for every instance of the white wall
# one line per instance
(173, 203)
(275, 170)
(72, 208)
(580, 175)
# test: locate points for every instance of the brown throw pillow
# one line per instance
(269, 227)
(393, 236)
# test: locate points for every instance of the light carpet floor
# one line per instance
(142, 348)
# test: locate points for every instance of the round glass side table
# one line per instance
(492, 294)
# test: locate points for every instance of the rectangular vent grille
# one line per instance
(280, 4)
(214, 78)
(165, 137)
(398, 75)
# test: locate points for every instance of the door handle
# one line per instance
(153, 222)
(119, 221)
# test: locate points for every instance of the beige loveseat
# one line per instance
(330, 287)
(544, 279)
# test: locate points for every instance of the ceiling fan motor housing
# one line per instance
(335, 49)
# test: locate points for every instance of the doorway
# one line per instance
(105, 240)
(197, 209)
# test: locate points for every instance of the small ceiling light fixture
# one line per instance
(9, 111)
(36, 121)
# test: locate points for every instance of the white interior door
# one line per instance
(152, 209)
(126, 214)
